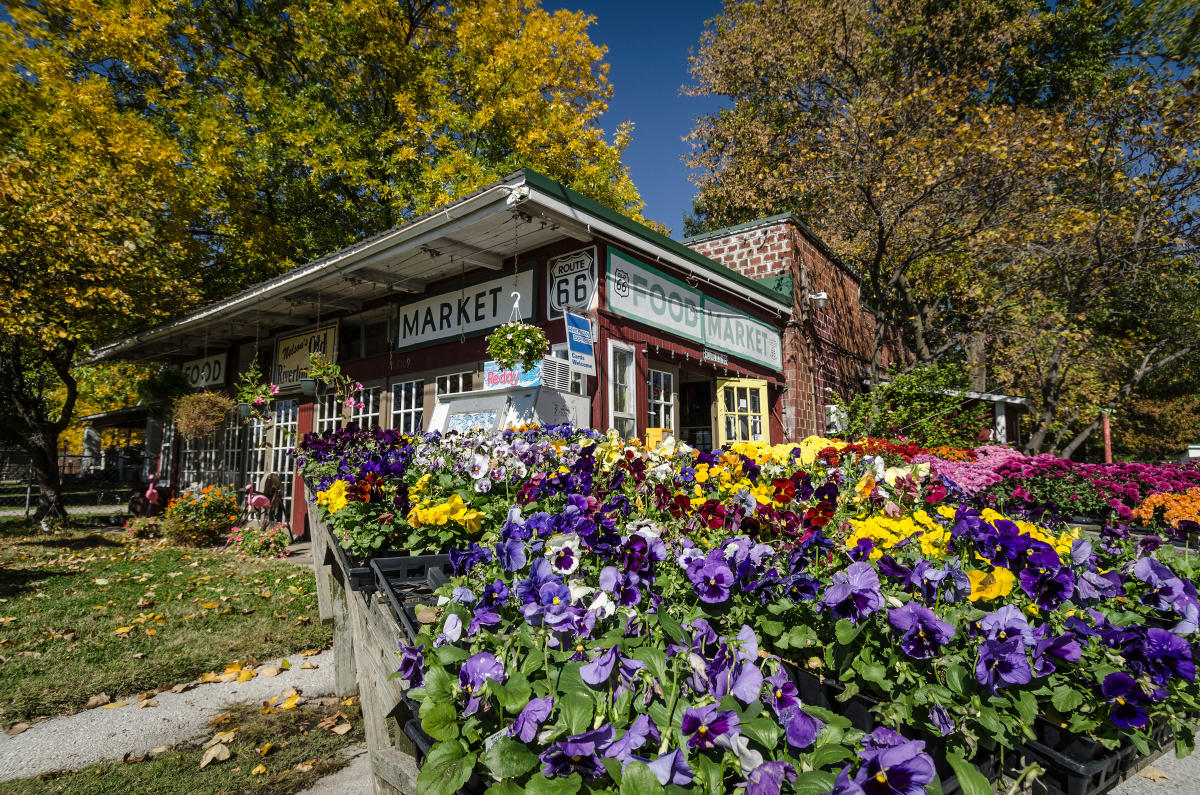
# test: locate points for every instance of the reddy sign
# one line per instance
(495, 377)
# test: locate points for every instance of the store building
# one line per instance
(734, 335)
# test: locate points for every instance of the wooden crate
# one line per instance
(365, 641)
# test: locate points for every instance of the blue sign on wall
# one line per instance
(580, 348)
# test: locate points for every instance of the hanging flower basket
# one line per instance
(201, 414)
(516, 343)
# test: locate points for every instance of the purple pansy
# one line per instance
(703, 725)
(578, 754)
(1002, 663)
(474, 674)
(670, 768)
(922, 633)
(892, 765)
(531, 717)
(1007, 622)
(1126, 698)
(412, 665)
(712, 581)
(610, 666)
(854, 593)
(768, 778)
(639, 732)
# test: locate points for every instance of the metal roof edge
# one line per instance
(577, 200)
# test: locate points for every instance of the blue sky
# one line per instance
(648, 45)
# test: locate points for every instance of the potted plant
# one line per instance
(254, 393)
(308, 385)
(330, 376)
(517, 342)
(201, 414)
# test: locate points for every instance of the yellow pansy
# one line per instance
(990, 584)
(333, 498)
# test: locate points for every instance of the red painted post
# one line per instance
(1107, 438)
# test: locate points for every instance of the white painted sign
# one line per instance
(571, 281)
(644, 294)
(471, 309)
(206, 371)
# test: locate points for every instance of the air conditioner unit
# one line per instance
(556, 374)
(835, 418)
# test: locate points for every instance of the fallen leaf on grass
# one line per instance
(350, 701)
(162, 749)
(221, 737)
(345, 727)
(223, 718)
(98, 700)
(246, 675)
(303, 620)
(332, 720)
(258, 771)
(217, 753)
(209, 677)
(130, 759)
(266, 749)
(310, 653)
(122, 630)
(101, 581)
(291, 702)
(139, 655)
(183, 687)
(1153, 773)
(149, 694)
(17, 728)
(114, 705)
(210, 605)
(306, 767)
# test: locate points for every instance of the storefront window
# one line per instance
(368, 415)
(661, 398)
(624, 397)
(453, 383)
(408, 406)
(741, 410)
(329, 413)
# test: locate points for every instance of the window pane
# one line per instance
(743, 427)
(756, 427)
(754, 401)
(730, 427)
(742, 402)
(729, 406)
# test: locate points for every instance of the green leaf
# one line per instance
(846, 632)
(514, 694)
(446, 769)
(450, 654)
(814, 782)
(969, 778)
(1066, 698)
(763, 731)
(441, 721)
(989, 720)
(830, 754)
(873, 672)
(655, 660)
(671, 627)
(638, 779)
(577, 709)
(439, 685)
(508, 758)
(540, 785)
(956, 677)
(770, 627)
(505, 788)
(708, 775)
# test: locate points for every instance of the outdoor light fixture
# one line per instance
(819, 300)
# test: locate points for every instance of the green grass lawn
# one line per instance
(303, 748)
(83, 613)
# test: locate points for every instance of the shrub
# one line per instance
(201, 414)
(143, 527)
(200, 518)
(260, 542)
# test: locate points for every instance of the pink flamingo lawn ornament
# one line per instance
(257, 502)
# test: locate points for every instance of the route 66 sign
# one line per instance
(571, 281)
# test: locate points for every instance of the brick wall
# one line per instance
(827, 349)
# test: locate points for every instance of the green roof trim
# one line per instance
(565, 194)
(780, 283)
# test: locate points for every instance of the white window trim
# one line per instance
(673, 371)
(413, 411)
(613, 347)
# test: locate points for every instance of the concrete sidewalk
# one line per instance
(97, 735)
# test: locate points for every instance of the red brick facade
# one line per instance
(823, 349)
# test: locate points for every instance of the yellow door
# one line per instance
(742, 411)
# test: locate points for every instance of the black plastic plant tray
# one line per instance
(1077, 765)
(359, 576)
(408, 582)
(824, 693)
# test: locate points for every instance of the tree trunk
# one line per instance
(43, 453)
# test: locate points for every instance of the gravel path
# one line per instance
(96, 735)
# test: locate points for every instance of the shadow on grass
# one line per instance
(15, 581)
(73, 543)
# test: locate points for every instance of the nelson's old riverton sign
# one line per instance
(644, 294)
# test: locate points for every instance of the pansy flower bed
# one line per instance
(637, 620)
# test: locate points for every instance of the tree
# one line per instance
(93, 218)
(306, 127)
(1007, 176)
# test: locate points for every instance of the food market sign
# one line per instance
(646, 295)
(291, 354)
(468, 310)
(206, 371)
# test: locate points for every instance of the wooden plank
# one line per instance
(395, 768)
(319, 534)
(345, 670)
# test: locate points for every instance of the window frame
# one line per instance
(615, 347)
(416, 409)
(759, 385)
(672, 402)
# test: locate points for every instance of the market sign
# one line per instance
(641, 293)
(497, 377)
(571, 281)
(206, 371)
(468, 310)
(291, 354)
